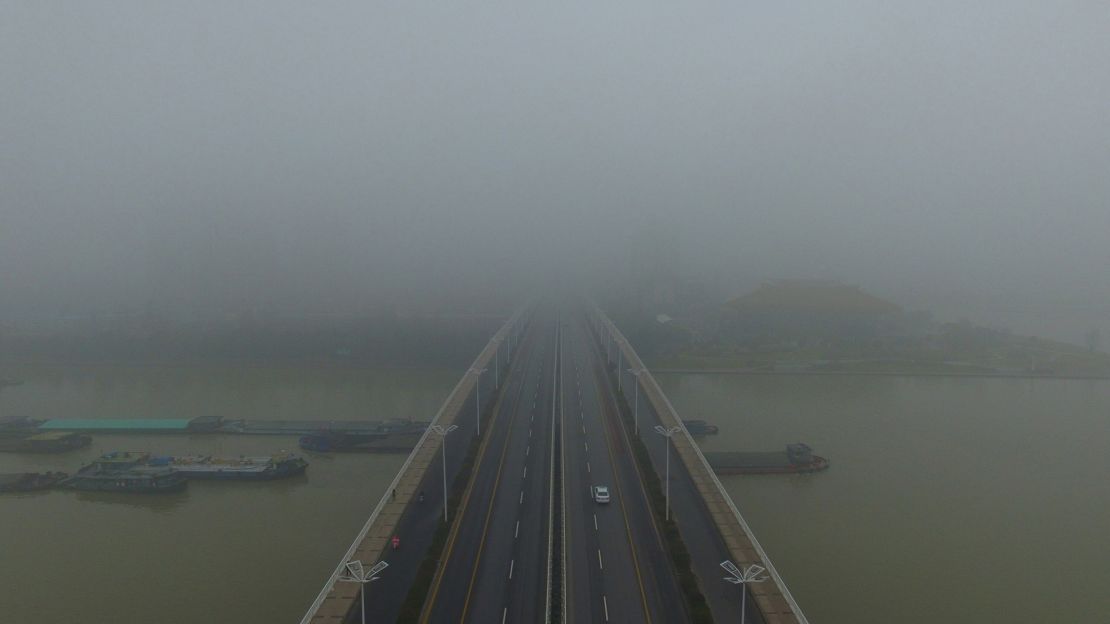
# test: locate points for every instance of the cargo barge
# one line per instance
(124, 471)
(216, 424)
(351, 442)
(30, 481)
(797, 458)
(309, 427)
(277, 466)
(44, 442)
(700, 428)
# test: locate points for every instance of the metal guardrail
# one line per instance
(651, 387)
(482, 359)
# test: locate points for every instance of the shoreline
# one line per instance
(987, 375)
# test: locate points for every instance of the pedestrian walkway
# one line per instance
(773, 599)
(337, 598)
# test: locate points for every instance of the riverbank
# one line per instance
(870, 373)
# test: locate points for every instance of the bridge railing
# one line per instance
(336, 599)
(775, 602)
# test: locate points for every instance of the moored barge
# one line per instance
(347, 442)
(123, 471)
(277, 466)
(700, 428)
(797, 458)
(29, 481)
(44, 442)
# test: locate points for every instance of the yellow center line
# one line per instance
(620, 496)
(489, 514)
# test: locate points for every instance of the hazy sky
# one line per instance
(323, 156)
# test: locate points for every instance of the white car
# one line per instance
(599, 493)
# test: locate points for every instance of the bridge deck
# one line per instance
(337, 598)
(773, 599)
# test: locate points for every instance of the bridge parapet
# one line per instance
(773, 599)
(336, 599)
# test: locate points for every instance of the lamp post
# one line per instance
(636, 402)
(750, 574)
(357, 574)
(667, 433)
(478, 399)
(496, 362)
(620, 360)
(443, 431)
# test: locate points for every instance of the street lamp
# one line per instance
(478, 398)
(636, 402)
(443, 434)
(739, 577)
(620, 359)
(357, 574)
(667, 433)
(496, 362)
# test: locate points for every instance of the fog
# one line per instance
(206, 158)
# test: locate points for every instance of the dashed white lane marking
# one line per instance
(587, 445)
(583, 429)
(595, 522)
(604, 603)
(587, 466)
(526, 450)
(529, 433)
(516, 531)
(521, 498)
(525, 472)
(599, 564)
(511, 562)
(505, 613)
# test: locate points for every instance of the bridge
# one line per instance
(496, 514)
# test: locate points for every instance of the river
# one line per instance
(947, 500)
(250, 553)
(955, 500)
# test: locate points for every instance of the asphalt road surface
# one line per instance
(617, 569)
(495, 565)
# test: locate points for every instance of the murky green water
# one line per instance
(221, 552)
(951, 500)
(963, 500)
